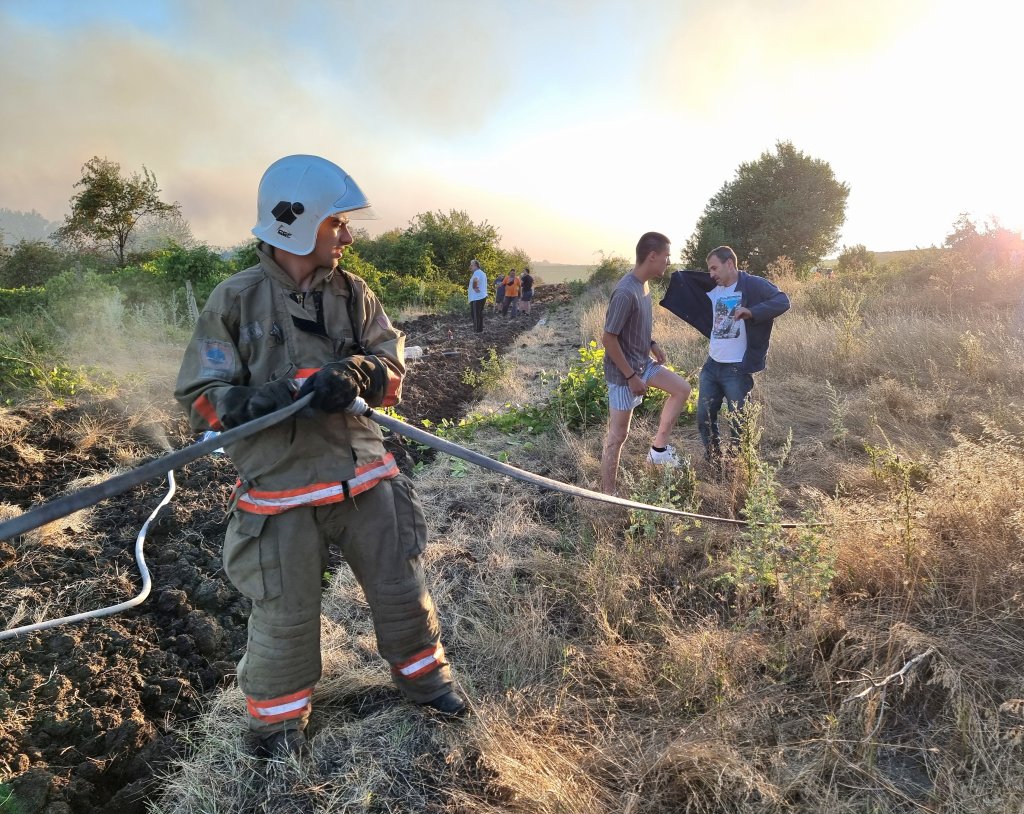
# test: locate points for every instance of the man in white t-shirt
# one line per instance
(727, 375)
(477, 293)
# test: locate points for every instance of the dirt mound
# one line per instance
(87, 710)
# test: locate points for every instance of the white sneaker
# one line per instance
(666, 458)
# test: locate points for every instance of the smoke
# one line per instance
(207, 124)
(718, 56)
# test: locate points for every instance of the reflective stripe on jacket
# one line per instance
(257, 327)
(284, 708)
(262, 501)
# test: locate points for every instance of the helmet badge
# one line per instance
(286, 212)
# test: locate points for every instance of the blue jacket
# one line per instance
(687, 298)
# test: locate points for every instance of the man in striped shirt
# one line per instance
(633, 361)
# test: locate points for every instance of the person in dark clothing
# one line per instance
(525, 291)
(499, 292)
(735, 310)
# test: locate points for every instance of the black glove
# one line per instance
(241, 404)
(336, 385)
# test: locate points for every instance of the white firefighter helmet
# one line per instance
(297, 193)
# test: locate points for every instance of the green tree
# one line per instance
(30, 263)
(855, 259)
(454, 239)
(352, 262)
(611, 269)
(438, 246)
(399, 251)
(245, 255)
(785, 203)
(108, 207)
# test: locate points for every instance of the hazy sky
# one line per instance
(572, 126)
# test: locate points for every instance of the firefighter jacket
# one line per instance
(258, 327)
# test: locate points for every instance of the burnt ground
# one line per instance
(88, 711)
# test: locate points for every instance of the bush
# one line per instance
(774, 568)
(855, 259)
(245, 255)
(31, 263)
(140, 284)
(74, 299)
(492, 369)
(581, 398)
(15, 302)
(30, 361)
(611, 269)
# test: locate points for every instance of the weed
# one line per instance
(665, 486)
(492, 369)
(970, 358)
(27, 362)
(581, 398)
(772, 565)
(837, 411)
(904, 474)
(850, 322)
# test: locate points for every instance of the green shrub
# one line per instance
(855, 259)
(664, 486)
(140, 285)
(16, 302)
(31, 263)
(74, 299)
(492, 369)
(611, 269)
(773, 567)
(510, 419)
(581, 398)
(31, 362)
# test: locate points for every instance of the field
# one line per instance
(554, 273)
(631, 662)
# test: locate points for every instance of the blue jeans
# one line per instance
(720, 382)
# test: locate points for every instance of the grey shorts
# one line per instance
(620, 397)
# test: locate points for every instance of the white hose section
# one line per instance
(360, 407)
(147, 582)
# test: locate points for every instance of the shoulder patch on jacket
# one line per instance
(217, 359)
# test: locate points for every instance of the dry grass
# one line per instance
(610, 666)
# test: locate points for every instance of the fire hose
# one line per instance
(166, 464)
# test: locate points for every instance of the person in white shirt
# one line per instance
(477, 293)
(727, 375)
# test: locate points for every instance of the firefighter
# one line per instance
(292, 324)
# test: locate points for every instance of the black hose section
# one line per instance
(157, 468)
(449, 448)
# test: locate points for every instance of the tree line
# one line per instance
(783, 210)
(121, 234)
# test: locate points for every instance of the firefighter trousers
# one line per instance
(278, 561)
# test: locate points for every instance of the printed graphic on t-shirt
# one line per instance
(725, 325)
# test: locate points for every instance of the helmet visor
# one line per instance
(365, 213)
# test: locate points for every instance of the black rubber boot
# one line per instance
(450, 704)
(283, 744)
